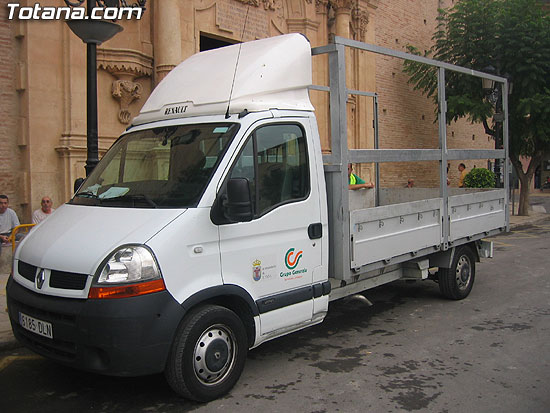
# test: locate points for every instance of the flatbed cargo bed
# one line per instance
(377, 233)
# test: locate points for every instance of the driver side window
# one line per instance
(275, 163)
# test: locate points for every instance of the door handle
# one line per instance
(315, 231)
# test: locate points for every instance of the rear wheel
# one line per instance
(208, 353)
(457, 282)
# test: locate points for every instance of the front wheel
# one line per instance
(457, 282)
(208, 353)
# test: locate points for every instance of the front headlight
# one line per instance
(129, 264)
(130, 271)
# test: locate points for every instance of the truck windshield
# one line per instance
(167, 167)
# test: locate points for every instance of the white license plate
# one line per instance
(35, 325)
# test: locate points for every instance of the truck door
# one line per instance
(272, 256)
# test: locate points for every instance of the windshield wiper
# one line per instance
(87, 195)
(133, 197)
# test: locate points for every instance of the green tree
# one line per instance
(514, 37)
(479, 178)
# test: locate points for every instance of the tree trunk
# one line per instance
(525, 179)
(525, 183)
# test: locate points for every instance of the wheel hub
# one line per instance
(463, 272)
(214, 354)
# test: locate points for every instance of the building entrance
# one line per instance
(209, 43)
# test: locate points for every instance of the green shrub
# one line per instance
(479, 178)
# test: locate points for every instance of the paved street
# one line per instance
(540, 201)
(410, 351)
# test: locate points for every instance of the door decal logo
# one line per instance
(257, 270)
(291, 260)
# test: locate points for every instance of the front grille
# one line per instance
(26, 270)
(58, 279)
(67, 280)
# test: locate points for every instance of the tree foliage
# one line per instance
(514, 37)
(480, 178)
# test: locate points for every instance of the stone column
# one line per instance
(364, 75)
(342, 9)
(167, 26)
(321, 76)
(342, 20)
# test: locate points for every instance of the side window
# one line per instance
(244, 168)
(275, 162)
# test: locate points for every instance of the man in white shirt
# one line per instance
(44, 212)
(8, 219)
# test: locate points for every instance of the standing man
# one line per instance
(463, 172)
(44, 212)
(8, 219)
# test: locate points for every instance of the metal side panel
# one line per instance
(385, 232)
(472, 214)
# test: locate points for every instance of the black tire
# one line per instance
(208, 353)
(457, 282)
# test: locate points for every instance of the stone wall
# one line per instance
(10, 154)
(406, 116)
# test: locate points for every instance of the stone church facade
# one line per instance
(43, 82)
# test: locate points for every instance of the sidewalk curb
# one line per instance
(9, 345)
(527, 221)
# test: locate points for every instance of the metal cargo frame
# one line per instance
(438, 224)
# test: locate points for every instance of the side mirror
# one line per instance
(238, 206)
(77, 184)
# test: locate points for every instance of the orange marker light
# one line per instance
(125, 291)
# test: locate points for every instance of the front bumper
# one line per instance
(119, 337)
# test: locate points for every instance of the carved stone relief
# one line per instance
(126, 66)
(341, 5)
(231, 17)
(359, 21)
(268, 4)
(278, 17)
(126, 91)
(321, 6)
(251, 2)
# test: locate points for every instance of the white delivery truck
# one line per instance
(215, 223)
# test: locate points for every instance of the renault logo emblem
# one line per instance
(40, 278)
